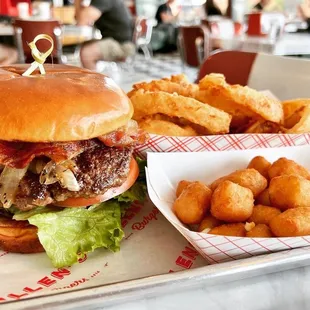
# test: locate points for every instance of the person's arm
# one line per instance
(77, 6)
(88, 15)
(167, 18)
(304, 11)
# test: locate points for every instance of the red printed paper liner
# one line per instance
(151, 247)
(165, 170)
(168, 144)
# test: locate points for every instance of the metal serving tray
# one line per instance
(162, 284)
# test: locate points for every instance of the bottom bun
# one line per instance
(19, 237)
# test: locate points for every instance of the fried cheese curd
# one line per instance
(260, 164)
(233, 230)
(208, 223)
(240, 204)
(231, 202)
(181, 186)
(263, 214)
(289, 191)
(291, 223)
(263, 198)
(249, 178)
(193, 203)
(284, 166)
(259, 231)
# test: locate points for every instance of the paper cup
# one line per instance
(44, 10)
(23, 10)
(58, 3)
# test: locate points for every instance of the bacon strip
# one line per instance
(129, 135)
(20, 154)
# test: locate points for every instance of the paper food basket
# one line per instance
(286, 78)
(167, 169)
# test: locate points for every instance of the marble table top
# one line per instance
(287, 44)
(289, 290)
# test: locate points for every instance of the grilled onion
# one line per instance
(61, 173)
(9, 180)
(48, 174)
(67, 179)
(70, 164)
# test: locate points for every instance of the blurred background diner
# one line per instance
(152, 37)
(115, 24)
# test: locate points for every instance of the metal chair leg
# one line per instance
(146, 52)
(19, 44)
(150, 50)
(181, 49)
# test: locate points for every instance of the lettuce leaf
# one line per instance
(70, 233)
(136, 193)
(24, 215)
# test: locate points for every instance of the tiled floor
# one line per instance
(161, 65)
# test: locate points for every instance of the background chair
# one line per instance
(142, 35)
(64, 14)
(9, 7)
(26, 30)
(235, 65)
(194, 44)
(221, 27)
(265, 24)
(251, 69)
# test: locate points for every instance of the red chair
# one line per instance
(26, 31)
(131, 5)
(223, 26)
(266, 24)
(194, 44)
(9, 7)
(235, 65)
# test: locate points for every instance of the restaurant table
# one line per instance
(71, 34)
(6, 30)
(289, 290)
(287, 44)
(280, 290)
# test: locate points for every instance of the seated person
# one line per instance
(113, 20)
(167, 13)
(304, 12)
(166, 17)
(213, 8)
(8, 55)
(269, 6)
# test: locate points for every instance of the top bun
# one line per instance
(65, 104)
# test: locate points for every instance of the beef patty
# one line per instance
(97, 170)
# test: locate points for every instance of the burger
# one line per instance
(66, 158)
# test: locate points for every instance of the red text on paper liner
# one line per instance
(55, 276)
(186, 258)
